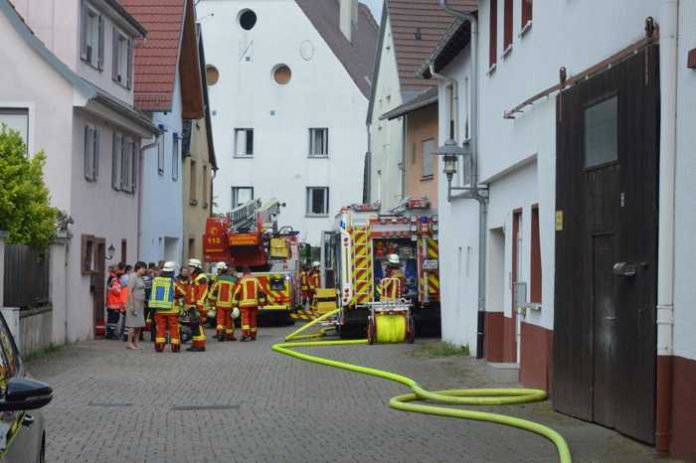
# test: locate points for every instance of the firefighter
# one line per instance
(221, 295)
(249, 295)
(391, 287)
(114, 304)
(305, 293)
(314, 282)
(162, 301)
(199, 295)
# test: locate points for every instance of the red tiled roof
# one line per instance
(410, 18)
(156, 58)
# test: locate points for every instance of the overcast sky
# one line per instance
(376, 7)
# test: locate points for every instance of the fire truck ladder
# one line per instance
(362, 256)
(244, 216)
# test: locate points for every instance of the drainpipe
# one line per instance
(140, 190)
(665, 243)
(404, 140)
(475, 192)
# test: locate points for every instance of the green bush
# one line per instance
(25, 211)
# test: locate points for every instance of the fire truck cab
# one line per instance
(364, 239)
(249, 236)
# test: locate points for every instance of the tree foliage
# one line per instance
(25, 211)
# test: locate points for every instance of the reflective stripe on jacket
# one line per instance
(248, 292)
(162, 296)
(200, 290)
(315, 280)
(304, 281)
(390, 289)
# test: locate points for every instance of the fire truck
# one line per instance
(249, 236)
(363, 239)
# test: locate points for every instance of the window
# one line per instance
(175, 156)
(244, 142)
(92, 37)
(601, 138)
(317, 201)
(124, 250)
(125, 153)
(507, 24)
(160, 155)
(122, 59)
(526, 15)
(87, 254)
(241, 195)
(318, 142)
(493, 34)
(91, 153)
(535, 271)
(429, 148)
(413, 153)
(247, 19)
(17, 120)
(192, 185)
(282, 74)
(205, 187)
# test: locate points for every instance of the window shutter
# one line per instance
(83, 31)
(135, 161)
(95, 160)
(129, 67)
(114, 56)
(100, 63)
(493, 33)
(88, 154)
(125, 148)
(115, 183)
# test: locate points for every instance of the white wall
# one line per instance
(386, 137)
(320, 94)
(100, 211)
(162, 208)
(685, 207)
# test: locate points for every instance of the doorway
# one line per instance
(606, 247)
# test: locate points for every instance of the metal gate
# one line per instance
(26, 277)
(606, 247)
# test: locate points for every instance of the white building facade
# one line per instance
(545, 310)
(289, 85)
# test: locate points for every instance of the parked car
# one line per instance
(22, 430)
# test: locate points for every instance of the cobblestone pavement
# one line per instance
(244, 403)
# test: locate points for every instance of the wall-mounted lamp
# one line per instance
(452, 154)
(110, 252)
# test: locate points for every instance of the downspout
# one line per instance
(140, 190)
(474, 192)
(665, 242)
(404, 140)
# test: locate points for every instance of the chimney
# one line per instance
(348, 17)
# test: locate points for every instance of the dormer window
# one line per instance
(92, 37)
(123, 59)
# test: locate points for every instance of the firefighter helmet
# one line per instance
(393, 259)
(316, 264)
(235, 312)
(221, 266)
(169, 266)
(196, 263)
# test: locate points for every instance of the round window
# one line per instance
(212, 75)
(282, 74)
(247, 19)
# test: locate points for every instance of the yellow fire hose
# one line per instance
(404, 402)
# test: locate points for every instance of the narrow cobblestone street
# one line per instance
(246, 403)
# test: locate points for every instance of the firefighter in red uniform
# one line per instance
(221, 295)
(314, 282)
(163, 302)
(304, 286)
(199, 296)
(391, 287)
(249, 296)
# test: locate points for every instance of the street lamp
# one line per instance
(110, 252)
(451, 153)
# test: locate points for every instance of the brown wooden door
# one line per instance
(605, 279)
(98, 283)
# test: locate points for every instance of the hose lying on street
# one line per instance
(408, 402)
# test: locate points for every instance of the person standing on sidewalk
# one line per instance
(136, 305)
(248, 294)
